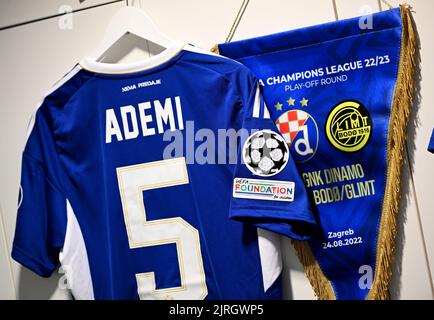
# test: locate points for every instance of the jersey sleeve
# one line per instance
(267, 188)
(41, 219)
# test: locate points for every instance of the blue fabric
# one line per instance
(330, 89)
(67, 156)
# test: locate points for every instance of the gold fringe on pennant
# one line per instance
(401, 107)
(321, 285)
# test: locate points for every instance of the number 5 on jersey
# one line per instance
(133, 180)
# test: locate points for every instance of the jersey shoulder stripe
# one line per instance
(68, 76)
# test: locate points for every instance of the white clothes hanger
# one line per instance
(130, 20)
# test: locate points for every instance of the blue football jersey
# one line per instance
(162, 179)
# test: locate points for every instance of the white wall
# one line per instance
(35, 54)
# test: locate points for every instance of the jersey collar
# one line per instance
(91, 64)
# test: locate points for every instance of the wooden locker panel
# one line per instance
(296, 286)
(33, 57)
(200, 22)
(7, 289)
(354, 8)
(410, 277)
(18, 11)
(421, 126)
(271, 16)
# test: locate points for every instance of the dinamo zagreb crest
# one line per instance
(300, 132)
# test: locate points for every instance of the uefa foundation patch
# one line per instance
(264, 189)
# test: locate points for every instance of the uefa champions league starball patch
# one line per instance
(265, 153)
